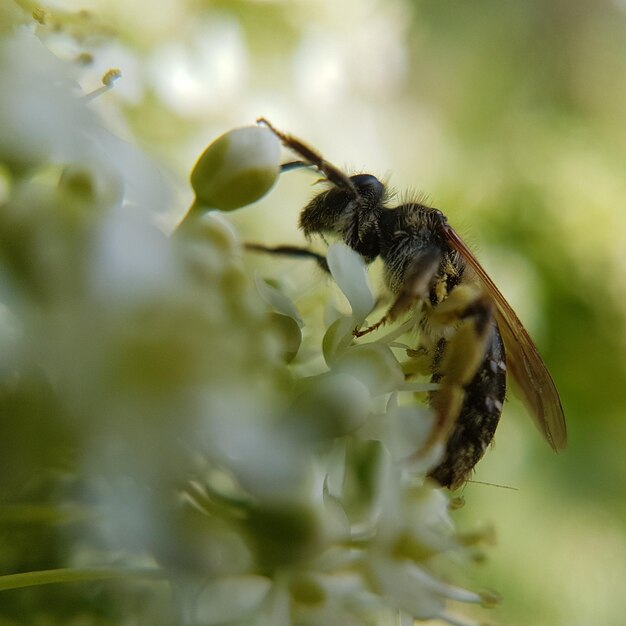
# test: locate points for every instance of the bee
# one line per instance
(470, 339)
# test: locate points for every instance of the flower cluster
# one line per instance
(158, 399)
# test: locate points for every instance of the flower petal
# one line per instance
(350, 273)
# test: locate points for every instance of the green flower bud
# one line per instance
(374, 365)
(306, 590)
(331, 405)
(91, 184)
(290, 334)
(283, 534)
(237, 169)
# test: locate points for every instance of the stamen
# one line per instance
(108, 80)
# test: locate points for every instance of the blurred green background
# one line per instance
(511, 117)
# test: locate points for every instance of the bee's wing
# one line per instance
(533, 381)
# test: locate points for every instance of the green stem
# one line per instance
(71, 574)
(195, 210)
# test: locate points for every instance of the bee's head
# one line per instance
(350, 212)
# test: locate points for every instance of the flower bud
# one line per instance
(237, 169)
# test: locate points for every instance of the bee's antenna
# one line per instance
(480, 482)
(332, 173)
(294, 165)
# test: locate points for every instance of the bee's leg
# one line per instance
(292, 251)
(332, 173)
(456, 360)
(470, 369)
(418, 363)
(415, 286)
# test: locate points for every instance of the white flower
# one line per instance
(350, 274)
(40, 117)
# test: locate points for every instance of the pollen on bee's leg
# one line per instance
(418, 363)
(446, 403)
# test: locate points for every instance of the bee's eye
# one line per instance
(368, 185)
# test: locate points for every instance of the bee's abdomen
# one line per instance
(478, 417)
